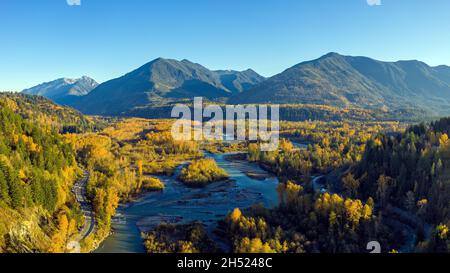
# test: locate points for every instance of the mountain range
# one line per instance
(333, 79)
(161, 82)
(363, 82)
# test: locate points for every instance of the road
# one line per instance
(317, 186)
(79, 189)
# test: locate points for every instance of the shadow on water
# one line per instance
(181, 204)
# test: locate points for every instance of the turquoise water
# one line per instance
(180, 204)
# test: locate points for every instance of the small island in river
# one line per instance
(200, 173)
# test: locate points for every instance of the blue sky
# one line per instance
(42, 40)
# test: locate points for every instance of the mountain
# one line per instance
(45, 113)
(238, 81)
(37, 171)
(164, 81)
(333, 79)
(64, 90)
(339, 80)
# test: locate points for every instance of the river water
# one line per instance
(181, 204)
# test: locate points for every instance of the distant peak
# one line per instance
(167, 61)
(159, 60)
(75, 80)
(331, 55)
(69, 80)
(442, 66)
(252, 72)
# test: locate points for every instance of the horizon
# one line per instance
(108, 41)
(179, 60)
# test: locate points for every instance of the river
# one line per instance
(181, 204)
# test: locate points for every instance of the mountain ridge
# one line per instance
(63, 90)
(163, 81)
(339, 80)
(332, 79)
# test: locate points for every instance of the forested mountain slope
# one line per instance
(43, 111)
(37, 169)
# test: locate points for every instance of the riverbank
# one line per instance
(179, 204)
(239, 161)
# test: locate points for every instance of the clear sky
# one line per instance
(42, 40)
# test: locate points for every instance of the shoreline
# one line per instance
(250, 171)
(248, 168)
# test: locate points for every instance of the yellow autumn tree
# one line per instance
(255, 245)
(288, 192)
(235, 215)
(286, 146)
(354, 211)
(140, 167)
(443, 140)
(59, 239)
(443, 231)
